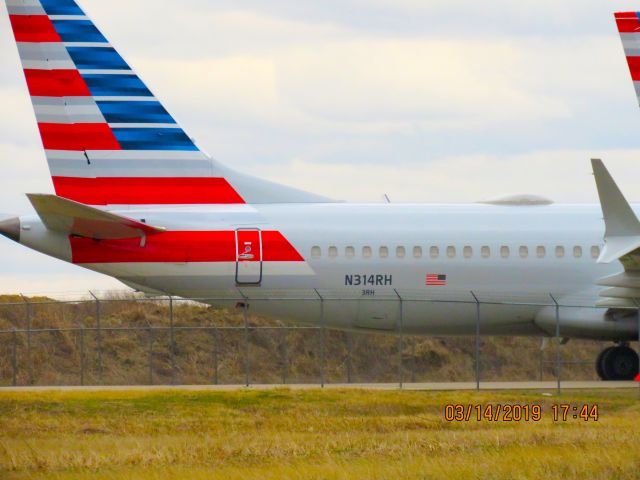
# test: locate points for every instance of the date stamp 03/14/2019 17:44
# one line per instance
(497, 412)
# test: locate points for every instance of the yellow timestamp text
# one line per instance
(498, 412)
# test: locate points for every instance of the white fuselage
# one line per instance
(360, 259)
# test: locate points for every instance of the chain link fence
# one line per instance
(122, 339)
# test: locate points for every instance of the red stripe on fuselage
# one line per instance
(179, 247)
(276, 248)
(33, 28)
(56, 83)
(147, 191)
(78, 136)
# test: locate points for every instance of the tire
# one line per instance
(620, 363)
(600, 363)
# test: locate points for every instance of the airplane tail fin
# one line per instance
(108, 140)
(629, 27)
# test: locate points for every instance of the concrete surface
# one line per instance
(449, 386)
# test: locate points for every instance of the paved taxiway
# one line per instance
(445, 386)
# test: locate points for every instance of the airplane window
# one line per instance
(434, 252)
(417, 252)
(367, 252)
(485, 252)
(401, 252)
(384, 252)
(350, 252)
(595, 251)
(504, 252)
(541, 252)
(468, 252)
(559, 251)
(451, 252)
(316, 252)
(333, 252)
(524, 252)
(577, 252)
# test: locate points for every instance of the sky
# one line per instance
(423, 100)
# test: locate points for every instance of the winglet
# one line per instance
(622, 234)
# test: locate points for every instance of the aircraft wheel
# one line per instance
(618, 363)
(599, 362)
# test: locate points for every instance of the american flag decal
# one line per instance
(436, 280)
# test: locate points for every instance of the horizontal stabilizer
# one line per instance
(73, 218)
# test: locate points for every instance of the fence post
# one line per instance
(14, 358)
(638, 316)
(349, 349)
(29, 359)
(215, 355)
(285, 356)
(99, 337)
(400, 340)
(322, 340)
(477, 354)
(81, 355)
(150, 338)
(558, 352)
(413, 360)
(246, 344)
(172, 340)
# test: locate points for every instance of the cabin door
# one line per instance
(248, 256)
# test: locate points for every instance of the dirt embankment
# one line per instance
(212, 345)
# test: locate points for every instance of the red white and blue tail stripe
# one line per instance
(108, 140)
(629, 27)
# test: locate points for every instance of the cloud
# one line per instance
(463, 18)
(193, 33)
(432, 82)
(563, 176)
(395, 86)
(24, 170)
(28, 272)
(58, 285)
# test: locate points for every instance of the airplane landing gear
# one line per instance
(617, 363)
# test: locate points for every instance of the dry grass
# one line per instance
(274, 355)
(286, 434)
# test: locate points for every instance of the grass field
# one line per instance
(288, 434)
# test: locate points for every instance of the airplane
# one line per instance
(138, 200)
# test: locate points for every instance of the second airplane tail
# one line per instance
(629, 27)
